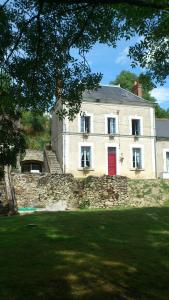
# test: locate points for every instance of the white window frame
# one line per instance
(113, 145)
(106, 123)
(130, 124)
(164, 160)
(86, 114)
(85, 144)
(142, 155)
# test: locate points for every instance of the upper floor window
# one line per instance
(85, 157)
(111, 125)
(137, 158)
(167, 161)
(85, 125)
(135, 126)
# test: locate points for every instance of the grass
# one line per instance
(92, 255)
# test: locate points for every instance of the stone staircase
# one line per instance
(53, 164)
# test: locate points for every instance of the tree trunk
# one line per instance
(10, 190)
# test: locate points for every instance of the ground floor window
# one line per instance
(85, 157)
(167, 161)
(137, 158)
(31, 167)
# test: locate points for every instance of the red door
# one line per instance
(111, 161)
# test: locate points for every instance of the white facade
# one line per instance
(114, 138)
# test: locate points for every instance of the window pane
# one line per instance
(111, 125)
(85, 124)
(135, 127)
(26, 168)
(82, 124)
(137, 163)
(167, 161)
(37, 167)
(85, 157)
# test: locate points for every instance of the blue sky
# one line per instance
(111, 61)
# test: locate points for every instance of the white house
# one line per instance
(114, 134)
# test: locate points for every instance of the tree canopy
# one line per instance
(37, 38)
(126, 80)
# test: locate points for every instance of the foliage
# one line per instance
(37, 39)
(102, 254)
(43, 33)
(126, 80)
(84, 203)
(11, 136)
(37, 129)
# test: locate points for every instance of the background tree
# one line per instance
(126, 80)
(37, 129)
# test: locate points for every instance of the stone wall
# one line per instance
(148, 193)
(102, 192)
(63, 191)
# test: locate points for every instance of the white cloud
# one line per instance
(161, 94)
(123, 58)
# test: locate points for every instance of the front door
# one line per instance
(111, 161)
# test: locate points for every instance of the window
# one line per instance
(111, 125)
(85, 157)
(85, 124)
(31, 167)
(137, 161)
(167, 161)
(135, 127)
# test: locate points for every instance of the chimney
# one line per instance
(137, 89)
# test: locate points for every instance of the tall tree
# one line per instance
(126, 80)
(37, 38)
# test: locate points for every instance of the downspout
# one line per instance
(155, 140)
(64, 147)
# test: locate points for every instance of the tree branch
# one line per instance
(81, 31)
(19, 38)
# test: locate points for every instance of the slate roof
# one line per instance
(114, 94)
(162, 128)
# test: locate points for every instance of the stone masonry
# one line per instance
(63, 191)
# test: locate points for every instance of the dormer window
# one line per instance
(85, 124)
(111, 125)
(135, 126)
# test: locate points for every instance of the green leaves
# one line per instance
(126, 80)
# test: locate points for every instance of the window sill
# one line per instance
(137, 170)
(85, 170)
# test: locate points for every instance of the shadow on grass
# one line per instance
(110, 254)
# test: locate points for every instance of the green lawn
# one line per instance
(110, 254)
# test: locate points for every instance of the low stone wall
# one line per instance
(102, 192)
(63, 191)
(148, 193)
